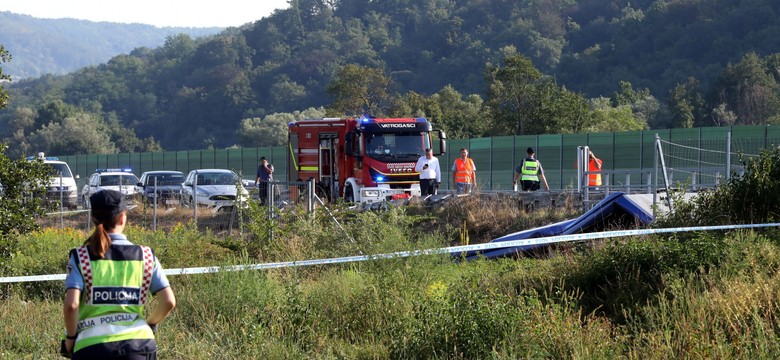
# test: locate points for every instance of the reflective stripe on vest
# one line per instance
(530, 170)
(464, 170)
(115, 290)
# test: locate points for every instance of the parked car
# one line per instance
(121, 180)
(215, 188)
(61, 184)
(166, 183)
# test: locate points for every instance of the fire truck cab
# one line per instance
(364, 159)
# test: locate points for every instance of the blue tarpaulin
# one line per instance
(616, 210)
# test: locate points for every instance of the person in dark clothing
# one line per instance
(264, 176)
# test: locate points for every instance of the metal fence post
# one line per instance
(154, 206)
(310, 196)
(194, 201)
(728, 155)
(62, 221)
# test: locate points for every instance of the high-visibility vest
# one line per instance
(530, 170)
(594, 179)
(464, 170)
(111, 311)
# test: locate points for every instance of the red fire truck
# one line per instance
(362, 159)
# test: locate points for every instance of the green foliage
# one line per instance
(360, 90)
(4, 57)
(455, 318)
(707, 295)
(460, 117)
(59, 46)
(78, 134)
(750, 198)
(38, 253)
(645, 107)
(415, 58)
(510, 97)
(522, 101)
(24, 185)
(750, 88)
(686, 105)
(625, 275)
(272, 130)
(613, 119)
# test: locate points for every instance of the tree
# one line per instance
(510, 95)
(272, 130)
(20, 178)
(722, 116)
(645, 107)
(462, 118)
(4, 57)
(686, 104)
(359, 90)
(523, 101)
(286, 94)
(750, 88)
(607, 118)
(82, 133)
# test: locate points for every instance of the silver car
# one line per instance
(121, 180)
(215, 188)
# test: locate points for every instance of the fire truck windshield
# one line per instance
(406, 146)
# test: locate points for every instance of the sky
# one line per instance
(161, 13)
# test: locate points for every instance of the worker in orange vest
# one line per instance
(464, 173)
(594, 169)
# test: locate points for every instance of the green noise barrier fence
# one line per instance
(494, 157)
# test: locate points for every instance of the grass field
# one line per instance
(703, 295)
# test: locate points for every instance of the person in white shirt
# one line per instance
(430, 173)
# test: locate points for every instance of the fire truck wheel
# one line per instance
(349, 194)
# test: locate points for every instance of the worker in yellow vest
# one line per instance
(108, 283)
(464, 173)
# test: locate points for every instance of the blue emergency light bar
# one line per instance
(51, 158)
(127, 170)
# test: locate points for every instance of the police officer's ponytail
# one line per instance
(99, 241)
(107, 205)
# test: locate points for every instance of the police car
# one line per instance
(62, 182)
(121, 180)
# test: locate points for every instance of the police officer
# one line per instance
(108, 282)
(529, 171)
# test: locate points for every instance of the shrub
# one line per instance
(627, 273)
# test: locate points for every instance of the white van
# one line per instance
(62, 184)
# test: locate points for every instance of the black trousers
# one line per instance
(427, 187)
(262, 188)
(529, 185)
(151, 356)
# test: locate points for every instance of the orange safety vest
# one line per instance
(594, 179)
(464, 171)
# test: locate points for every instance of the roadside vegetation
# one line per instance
(688, 295)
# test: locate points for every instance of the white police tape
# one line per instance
(401, 254)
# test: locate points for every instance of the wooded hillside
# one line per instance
(60, 46)
(475, 67)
